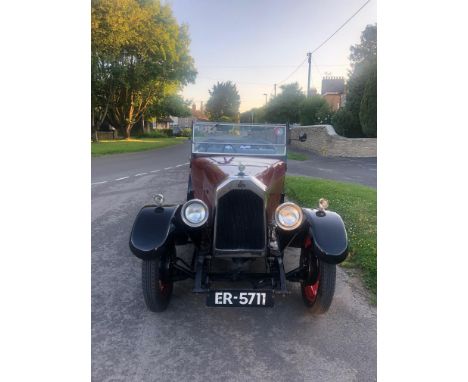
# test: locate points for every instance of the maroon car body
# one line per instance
(236, 212)
(209, 172)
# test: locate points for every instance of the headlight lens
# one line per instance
(195, 213)
(288, 216)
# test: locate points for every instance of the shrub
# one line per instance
(160, 133)
(167, 132)
(342, 121)
(225, 118)
(368, 111)
(314, 110)
(187, 132)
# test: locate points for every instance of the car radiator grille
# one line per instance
(240, 221)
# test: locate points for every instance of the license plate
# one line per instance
(239, 298)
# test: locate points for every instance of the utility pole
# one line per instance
(266, 98)
(309, 58)
(275, 90)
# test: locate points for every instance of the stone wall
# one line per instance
(323, 140)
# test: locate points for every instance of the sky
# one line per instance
(257, 43)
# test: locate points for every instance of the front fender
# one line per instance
(151, 230)
(328, 234)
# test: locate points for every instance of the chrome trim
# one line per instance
(297, 224)
(158, 199)
(232, 183)
(189, 223)
(249, 183)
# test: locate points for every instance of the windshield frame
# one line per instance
(272, 126)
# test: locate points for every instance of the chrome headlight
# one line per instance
(195, 213)
(288, 216)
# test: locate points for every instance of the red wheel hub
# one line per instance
(311, 291)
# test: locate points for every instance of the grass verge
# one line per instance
(132, 145)
(296, 156)
(357, 205)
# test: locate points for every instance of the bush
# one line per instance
(342, 121)
(167, 132)
(314, 110)
(160, 133)
(286, 106)
(187, 132)
(368, 111)
(225, 118)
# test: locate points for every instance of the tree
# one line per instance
(224, 102)
(363, 61)
(368, 111)
(325, 114)
(176, 106)
(356, 86)
(139, 53)
(286, 106)
(255, 115)
(342, 121)
(367, 49)
(170, 105)
(315, 110)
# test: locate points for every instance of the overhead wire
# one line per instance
(294, 71)
(326, 40)
(236, 82)
(256, 66)
(316, 66)
(304, 61)
(245, 66)
(341, 27)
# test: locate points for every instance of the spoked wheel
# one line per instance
(156, 281)
(319, 287)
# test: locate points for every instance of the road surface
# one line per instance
(354, 170)
(190, 342)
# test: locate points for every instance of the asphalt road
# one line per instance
(190, 342)
(353, 170)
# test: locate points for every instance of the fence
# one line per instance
(107, 135)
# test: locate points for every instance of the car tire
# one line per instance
(156, 282)
(319, 296)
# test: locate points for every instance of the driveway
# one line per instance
(190, 342)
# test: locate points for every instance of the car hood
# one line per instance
(208, 172)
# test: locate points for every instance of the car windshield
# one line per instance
(239, 139)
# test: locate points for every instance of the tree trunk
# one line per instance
(94, 136)
(128, 130)
(130, 118)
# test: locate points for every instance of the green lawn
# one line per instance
(296, 156)
(133, 144)
(357, 205)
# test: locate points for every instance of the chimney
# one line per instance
(194, 108)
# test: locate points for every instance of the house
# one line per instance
(163, 123)
(333, 91)
(197, 115)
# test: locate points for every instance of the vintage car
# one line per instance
(237, 213)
